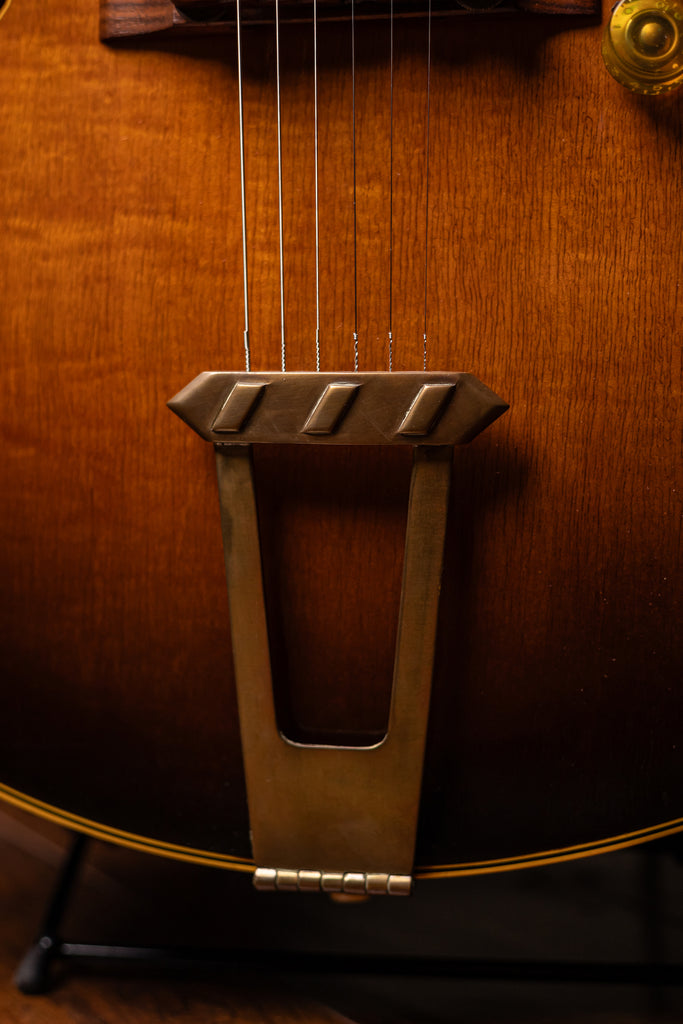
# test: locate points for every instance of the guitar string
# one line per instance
(355, 228)
(279, 176)
(317, 204)
(429, 77)
(247, 350)
(391, 183)
(355, 221)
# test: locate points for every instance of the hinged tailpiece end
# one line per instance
(358, 883)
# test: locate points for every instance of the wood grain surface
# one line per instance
(550, 262)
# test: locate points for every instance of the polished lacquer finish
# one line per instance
(550, 262)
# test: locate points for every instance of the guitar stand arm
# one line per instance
(32, 975)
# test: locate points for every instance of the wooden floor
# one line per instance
(624, 907)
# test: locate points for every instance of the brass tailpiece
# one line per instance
(334, 818)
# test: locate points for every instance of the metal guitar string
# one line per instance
(391, 182)
(429, 77)
(247, 352)
(355, 222)
(317, 205)
(279, 180)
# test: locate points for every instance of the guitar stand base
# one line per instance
(34, 974)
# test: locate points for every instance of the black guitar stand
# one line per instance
(34, 974)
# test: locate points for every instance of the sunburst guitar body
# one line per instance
(488, 194)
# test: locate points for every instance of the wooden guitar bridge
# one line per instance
(122, 18)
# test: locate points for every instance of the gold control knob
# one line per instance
(643, 45)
